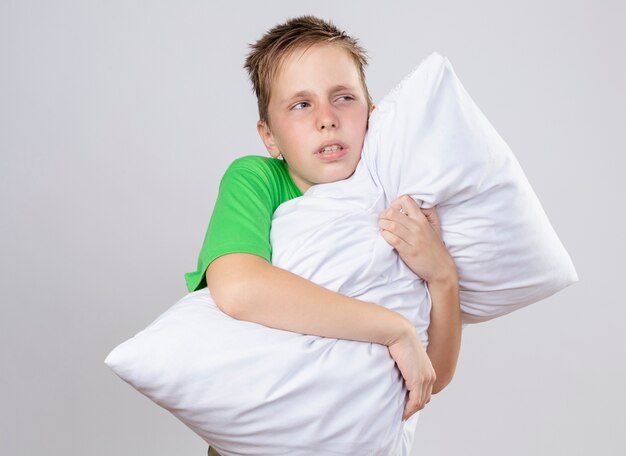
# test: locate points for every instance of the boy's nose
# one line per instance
(327, 118)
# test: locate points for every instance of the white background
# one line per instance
(117, 120)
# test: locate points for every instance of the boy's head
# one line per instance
(310, 85)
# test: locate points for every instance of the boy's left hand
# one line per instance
(416, 235)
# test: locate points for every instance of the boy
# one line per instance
(313, 111)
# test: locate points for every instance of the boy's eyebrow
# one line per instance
(306, 93)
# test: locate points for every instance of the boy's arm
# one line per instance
(444, 330)
(415, 234)
(247, 287)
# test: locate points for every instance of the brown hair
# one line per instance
(278, 43)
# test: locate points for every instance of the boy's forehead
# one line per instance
(301, 72)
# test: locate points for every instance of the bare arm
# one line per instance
(247, 287)
(444, 330)
(415, 233)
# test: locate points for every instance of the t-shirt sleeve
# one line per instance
(240, 222)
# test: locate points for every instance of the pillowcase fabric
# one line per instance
(251, 390)
(428, 139)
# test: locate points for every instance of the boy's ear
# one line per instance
(268, 138)
(372, 107)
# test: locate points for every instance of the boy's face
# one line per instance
(317, 100)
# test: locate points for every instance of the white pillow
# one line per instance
(251, 390)
(247, 389)
(430, 140)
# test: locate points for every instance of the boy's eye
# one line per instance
(299, 104)
(349, 97)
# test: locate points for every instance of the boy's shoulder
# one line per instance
(256, 160)
(258, 165)
(268, 173)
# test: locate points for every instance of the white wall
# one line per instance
(117, 120)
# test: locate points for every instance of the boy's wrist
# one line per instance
(403, 329)
(448, 283)
(448, 279)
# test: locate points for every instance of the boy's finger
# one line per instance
(427, 394)
(414, 404)
(406, 203)
(431, 215)
(396, 205)
(395, 225)
(409, 202)
(433, 218)
(406, 414)
(399, 215)
(410, 409)
(393, 239)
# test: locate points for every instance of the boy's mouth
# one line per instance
(332, 146)
(328, 149)
(332, 152)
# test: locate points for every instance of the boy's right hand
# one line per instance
(415, 233)
(416, 369)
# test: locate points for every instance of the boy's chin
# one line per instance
(339, 176)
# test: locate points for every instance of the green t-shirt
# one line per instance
(250, 191)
